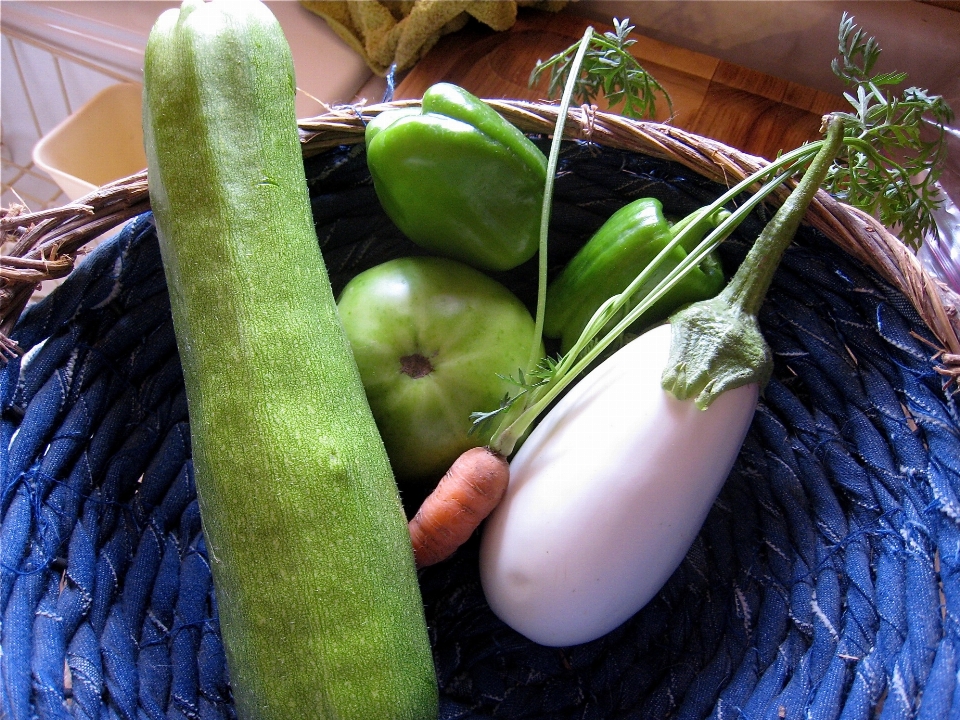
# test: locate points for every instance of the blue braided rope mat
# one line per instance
(823, 585)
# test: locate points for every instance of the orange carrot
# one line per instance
(468, 492)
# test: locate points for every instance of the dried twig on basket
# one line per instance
(45, 244)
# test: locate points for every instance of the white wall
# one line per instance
(57, 55)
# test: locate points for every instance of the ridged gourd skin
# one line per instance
(319, 607)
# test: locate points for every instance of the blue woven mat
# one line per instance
(823, 585)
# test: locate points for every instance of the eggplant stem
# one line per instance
(748, 287)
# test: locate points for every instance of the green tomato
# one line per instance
(432, 338)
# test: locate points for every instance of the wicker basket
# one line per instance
(821, 586)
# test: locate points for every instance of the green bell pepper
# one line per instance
(617, 252)
(458, 179)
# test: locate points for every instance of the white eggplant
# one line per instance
(606, 496)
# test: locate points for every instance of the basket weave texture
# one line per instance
(824, 583)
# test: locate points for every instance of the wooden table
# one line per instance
(748, 110)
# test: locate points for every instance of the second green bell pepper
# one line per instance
(458, 179)
(623, 246)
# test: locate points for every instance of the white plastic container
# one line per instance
(99, 143)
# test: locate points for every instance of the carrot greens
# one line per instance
(894, 147)
(874, 157)
(607, 67)
(553, 158)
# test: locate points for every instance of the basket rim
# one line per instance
(47, 243)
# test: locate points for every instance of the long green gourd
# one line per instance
(319, 606)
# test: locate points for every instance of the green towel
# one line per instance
(402, 31)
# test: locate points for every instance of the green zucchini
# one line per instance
(320, 611)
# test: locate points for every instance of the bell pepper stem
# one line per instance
(702, 220)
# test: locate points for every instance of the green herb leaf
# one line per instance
(895, 146)
(526, 382)
(608, 69)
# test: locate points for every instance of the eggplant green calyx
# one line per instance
(717, 344)
(717, 348)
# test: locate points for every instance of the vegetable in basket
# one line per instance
(597, 515)
(465, 496)
(432, 338)
(435, 532)
(319, 607)
(458, 179)
(631, 238)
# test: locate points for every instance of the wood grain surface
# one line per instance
(748, 110)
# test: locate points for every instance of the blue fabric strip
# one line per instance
(824, 584)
